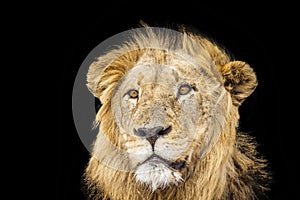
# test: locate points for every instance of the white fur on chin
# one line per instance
(156, 175)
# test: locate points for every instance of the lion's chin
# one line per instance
(157, 175)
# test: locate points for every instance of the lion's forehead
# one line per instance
(167, 76)
(148, 74)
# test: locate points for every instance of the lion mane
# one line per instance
(218, 163)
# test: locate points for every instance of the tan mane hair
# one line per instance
(232, 169)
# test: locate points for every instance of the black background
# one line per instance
(251, 33)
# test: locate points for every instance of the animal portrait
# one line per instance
(168, 121)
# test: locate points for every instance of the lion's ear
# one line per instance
(93, 76)
(239, 79)
(104, 73)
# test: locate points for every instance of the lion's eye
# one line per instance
(133, 94)
(184, 89)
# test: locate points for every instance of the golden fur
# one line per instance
(231, 169)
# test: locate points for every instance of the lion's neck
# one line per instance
(231, 176)
(201, 184)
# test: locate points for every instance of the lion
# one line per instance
(169, 119)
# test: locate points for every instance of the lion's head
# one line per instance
(167, 124)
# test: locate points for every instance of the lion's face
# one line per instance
(168, 120)
(162, 115)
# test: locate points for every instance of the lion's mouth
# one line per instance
(177, 165)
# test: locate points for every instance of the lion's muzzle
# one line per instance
(152, 134)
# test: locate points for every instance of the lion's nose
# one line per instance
(152, 134)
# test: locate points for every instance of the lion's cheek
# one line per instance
(191, 114)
